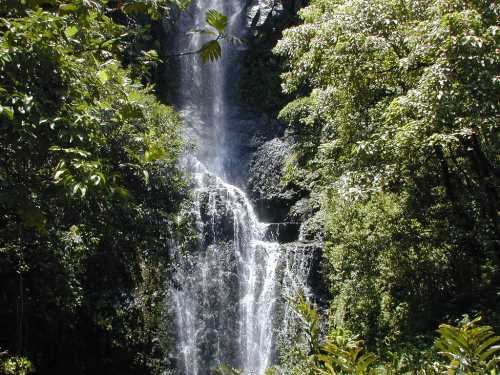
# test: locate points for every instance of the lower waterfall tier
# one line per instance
(232, 290)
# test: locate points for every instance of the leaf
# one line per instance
(135, 7)
(121, 192)
(33, 217)
(70, 150)
(59, 173)
(202, 31)
(211, 51)
(71, 31)
(9, 111)
(96, 179)
(103, 76)
(217, 20)
(109, 43)
(155, 152)
(68, 8)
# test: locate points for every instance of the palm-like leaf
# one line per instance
(344, 355)
(217, 20)
(211, 51)
(469, 348)
(310, 321)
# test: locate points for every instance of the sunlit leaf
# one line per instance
(71, 31)
(68, 8)
(217, 20)
(103, 76)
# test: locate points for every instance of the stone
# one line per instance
(282, 232)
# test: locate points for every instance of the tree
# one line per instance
(89, 189)
(395, 122)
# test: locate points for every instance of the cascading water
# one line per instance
(226, 288)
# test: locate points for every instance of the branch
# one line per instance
(203, 48)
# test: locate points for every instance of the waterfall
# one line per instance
(226, 291)
(204, 89)
(228, 286)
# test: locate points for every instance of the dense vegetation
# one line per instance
(88, 189)
(395, 122)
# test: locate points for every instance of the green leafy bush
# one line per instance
(16, 366)
(395, 124)
(469, 348)
(89, 190)
(465, 349)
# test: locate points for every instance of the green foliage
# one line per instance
(395, 124)
(467, 348)
(217, 20)
(470, 349)
(310, 322)
(340, 353)
(89, 189)
(343, 353)
(212, 50)
(16, 366)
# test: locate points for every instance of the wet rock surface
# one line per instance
(294, 217)
(260, 11)
(272, 199)
(247, 133)
(282, 232)
(309, 253)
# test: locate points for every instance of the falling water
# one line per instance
(204, 89)
(226, 286)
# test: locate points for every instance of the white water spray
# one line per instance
(226, 288)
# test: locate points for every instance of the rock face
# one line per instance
(259, 11)
(246, 133)
(283, 232)
(272, 200)
(305, 260)
(295, 221)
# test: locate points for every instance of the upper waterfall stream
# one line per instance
(229, 287)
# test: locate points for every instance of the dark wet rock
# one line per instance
(271, 198)
(310, 254)
(282, 232)
(312, 228)
(301, 210)
(247, 132)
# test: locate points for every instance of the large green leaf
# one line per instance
(211, 51)
(217, 20)
(68, 8)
